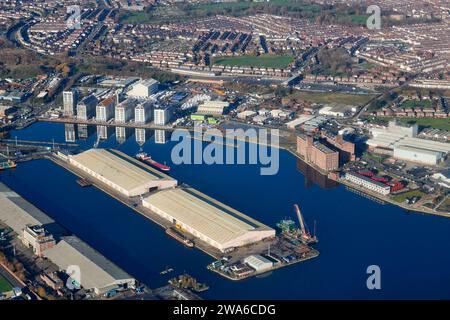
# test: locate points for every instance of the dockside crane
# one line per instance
(304, 232)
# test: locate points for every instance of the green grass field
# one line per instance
(138, 18)
(4, 285)
(330, 97)
(354, 19)
(213, 8)
(268, 61)
(417, 103)
(403, 196)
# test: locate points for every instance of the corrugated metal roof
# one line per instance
(96, 270)
(213, 219)
(118, 168)
(17, 213)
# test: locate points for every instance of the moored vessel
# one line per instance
(7, 165)
(146, 158)
(180, 237)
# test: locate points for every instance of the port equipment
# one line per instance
(304, 232)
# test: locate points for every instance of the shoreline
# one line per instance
(376, 195)
(238, 254)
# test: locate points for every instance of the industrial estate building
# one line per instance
(209, 220)
(39, 232)
(401, 143)
(143, 88)
(368, 183)
(96, 272)
(443, 178)
(213, 107)
(18, 213)
(258, 262)
(121, 172)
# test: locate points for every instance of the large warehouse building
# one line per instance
(96, 272)
(121, 172)
(18, 213)
(209, 220)
(410, 149)
(401, 143)
(144, 88)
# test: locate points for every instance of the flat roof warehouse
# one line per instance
(212, 221)
(121, 172)
(204, 217)
(97, 272)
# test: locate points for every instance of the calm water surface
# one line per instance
(411, 249)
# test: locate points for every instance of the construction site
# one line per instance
(190, 217)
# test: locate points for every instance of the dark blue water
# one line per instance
(411, 249)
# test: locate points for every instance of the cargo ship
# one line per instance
(180, 237)
(146, 158)
(7, 165)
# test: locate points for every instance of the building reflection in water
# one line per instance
(313, 176)
(121, 135)
(140, 136)
(84, 131)
(103, 132)
(70, 132)
(161, 136)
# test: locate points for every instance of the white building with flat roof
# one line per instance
(410, 148)
(258, 262)
(368, 183)
(414, 154)
(395, 128)
(144, 88)
(121, 172)
(97, 273)
(207, 219)
(213, 107)
(244, 115)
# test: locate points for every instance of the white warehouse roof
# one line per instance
(17, 213)
(213, 221)
(122, 172)
(96, 272)
(426, 144)
(394, 140)
(300, 120)
(258, 262)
